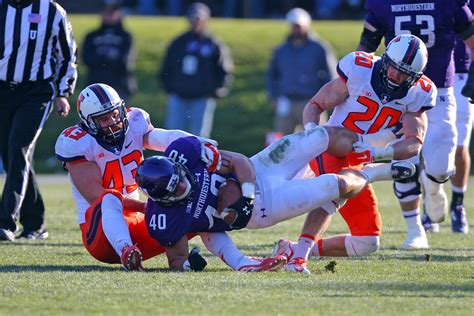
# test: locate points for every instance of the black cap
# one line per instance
(199, 10)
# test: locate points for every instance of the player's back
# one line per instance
(435, 22)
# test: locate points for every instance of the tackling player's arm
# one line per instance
(370, 38)
(330, 95)
(87, 179)
(179, 259)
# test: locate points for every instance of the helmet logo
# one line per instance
(79, 101)
(173, 183)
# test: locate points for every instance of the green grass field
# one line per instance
(58, 276)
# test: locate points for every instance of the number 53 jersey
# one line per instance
(369, 107)
(117, 164)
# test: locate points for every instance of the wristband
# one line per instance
(248, 190)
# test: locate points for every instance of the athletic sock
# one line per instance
(220, 245)
(113, 223)
(305, 244)
(317, 250)
(413, 220)
(458, 195)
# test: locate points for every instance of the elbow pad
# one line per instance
(370, 39)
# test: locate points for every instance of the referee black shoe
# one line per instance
(40, 234)
(6, 235)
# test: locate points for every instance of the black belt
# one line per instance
(17, 84)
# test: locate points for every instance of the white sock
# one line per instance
(377, 172)
(113, 223)
(305, 244)
(458, 189)
(413, 220)
(220, 245)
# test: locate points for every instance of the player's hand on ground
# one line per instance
(63, 107)
(195, 261)
(243, 209)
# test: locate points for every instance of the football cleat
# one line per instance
(131, 258)
(6, 235)
(402, 170)
(283, 247)
(428, 225)
(297, 265)
(459, 222)
(40, 234)
(435, 199)
(273, 263)
(415, 240)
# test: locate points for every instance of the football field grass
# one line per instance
(57, 276)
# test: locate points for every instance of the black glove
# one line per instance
(243, 208)
(195, 261)
(468, 89)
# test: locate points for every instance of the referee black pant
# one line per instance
(25, 108)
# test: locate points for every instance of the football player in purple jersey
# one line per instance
(183, 193)
(437, 23)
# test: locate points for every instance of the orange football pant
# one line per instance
(360, 212)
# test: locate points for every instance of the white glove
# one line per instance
(210, 154)
(376, 153)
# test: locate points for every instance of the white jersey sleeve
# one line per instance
(74, 145)
(354, 68)
(424, 95)
(140, 119)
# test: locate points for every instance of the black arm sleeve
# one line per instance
(370, 39)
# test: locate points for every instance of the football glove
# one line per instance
(195, 261)
(243, 209)
(375, 153)
(210, 155)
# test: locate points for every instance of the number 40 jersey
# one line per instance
(369, 107)
(117, 164)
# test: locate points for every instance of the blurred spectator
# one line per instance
(197, 68)
(109, 54)
(298, 69)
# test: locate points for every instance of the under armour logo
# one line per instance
(246, 210)
(263, 212)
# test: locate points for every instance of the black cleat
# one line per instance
(40, 234)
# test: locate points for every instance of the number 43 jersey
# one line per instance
(117, 164)
(369, 108)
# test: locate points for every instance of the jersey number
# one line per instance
(113, 172)
(427, 31)
(392, 115)
(363, 59)
(158, 221)
(74, 132)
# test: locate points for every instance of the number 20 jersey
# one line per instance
(117, 165)
(368, 108)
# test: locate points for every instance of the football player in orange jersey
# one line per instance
(371, 96)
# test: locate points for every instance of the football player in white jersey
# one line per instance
(371, 96)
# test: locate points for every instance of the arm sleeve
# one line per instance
(159, 139)
(344, 66)
(66, 72)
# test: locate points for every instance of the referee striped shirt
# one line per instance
(36, 43)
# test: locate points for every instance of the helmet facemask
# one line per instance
(393, 86)
(113, 133)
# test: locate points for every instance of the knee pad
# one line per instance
(361, 245)
(441, 178)
(407, 191)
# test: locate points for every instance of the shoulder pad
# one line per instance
(72, 144)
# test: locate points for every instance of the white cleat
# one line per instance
(415, 240)
(435, 199)
(283, 247)
(297, 265)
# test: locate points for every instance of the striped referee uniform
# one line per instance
(37, 64)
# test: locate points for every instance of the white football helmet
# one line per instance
(408, 54)
(96, 100)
